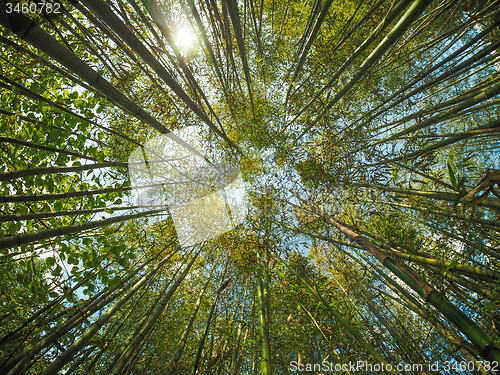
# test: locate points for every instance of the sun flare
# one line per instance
(184, 38)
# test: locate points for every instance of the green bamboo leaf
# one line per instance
(51, 261)
(452, 177)
(57, 271)
(58, 205)
(450, 266)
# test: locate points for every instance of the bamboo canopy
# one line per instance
(249, 187)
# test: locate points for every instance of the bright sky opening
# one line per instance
(184, 38)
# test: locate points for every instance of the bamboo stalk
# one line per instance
(26, 238)
(263, 316)
(449, 335)
(187, 330)
(31, 94)
(29, 31)
(401, 27)
(122, 321)
(493, 223)
(155, 14)
(46, 62)
(234, 14)
(75, 347)
(208, 46)
(134, 344)
(103, 11)
(235, 353)
(485, 249)
(491, 126)
(20, 142)
(201, 343)
(208, 323)
(400, 6)
(317, 25)
(457, 68)
(22, 173)
(470, 100)
(47, 215)
(71, 194)
(478, 337)
(338, 317)
(449, 197)
(8, 337)
(16, 363)
(434, 264)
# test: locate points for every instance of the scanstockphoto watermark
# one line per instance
(205, 199)
(359, 366)
(367, 367)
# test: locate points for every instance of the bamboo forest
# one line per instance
(249, 187)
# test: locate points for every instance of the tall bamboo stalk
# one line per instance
(401, 27)
(26, 238)
(464, 102)
(29, 31)
(339, 318)
(438, 266)
(133, 346)
(100, 300)
(234, 14)
(44, 148)
(201, 342)
(400, 6)
(444, 196)
(487, 50)
(311, 37)
(453, 338)
(187, 330)
(478, 337)
(104, 12)
(74, 348)
(263, 316)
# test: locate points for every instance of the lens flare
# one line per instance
(184, 38)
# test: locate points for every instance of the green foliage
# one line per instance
(392, 159)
